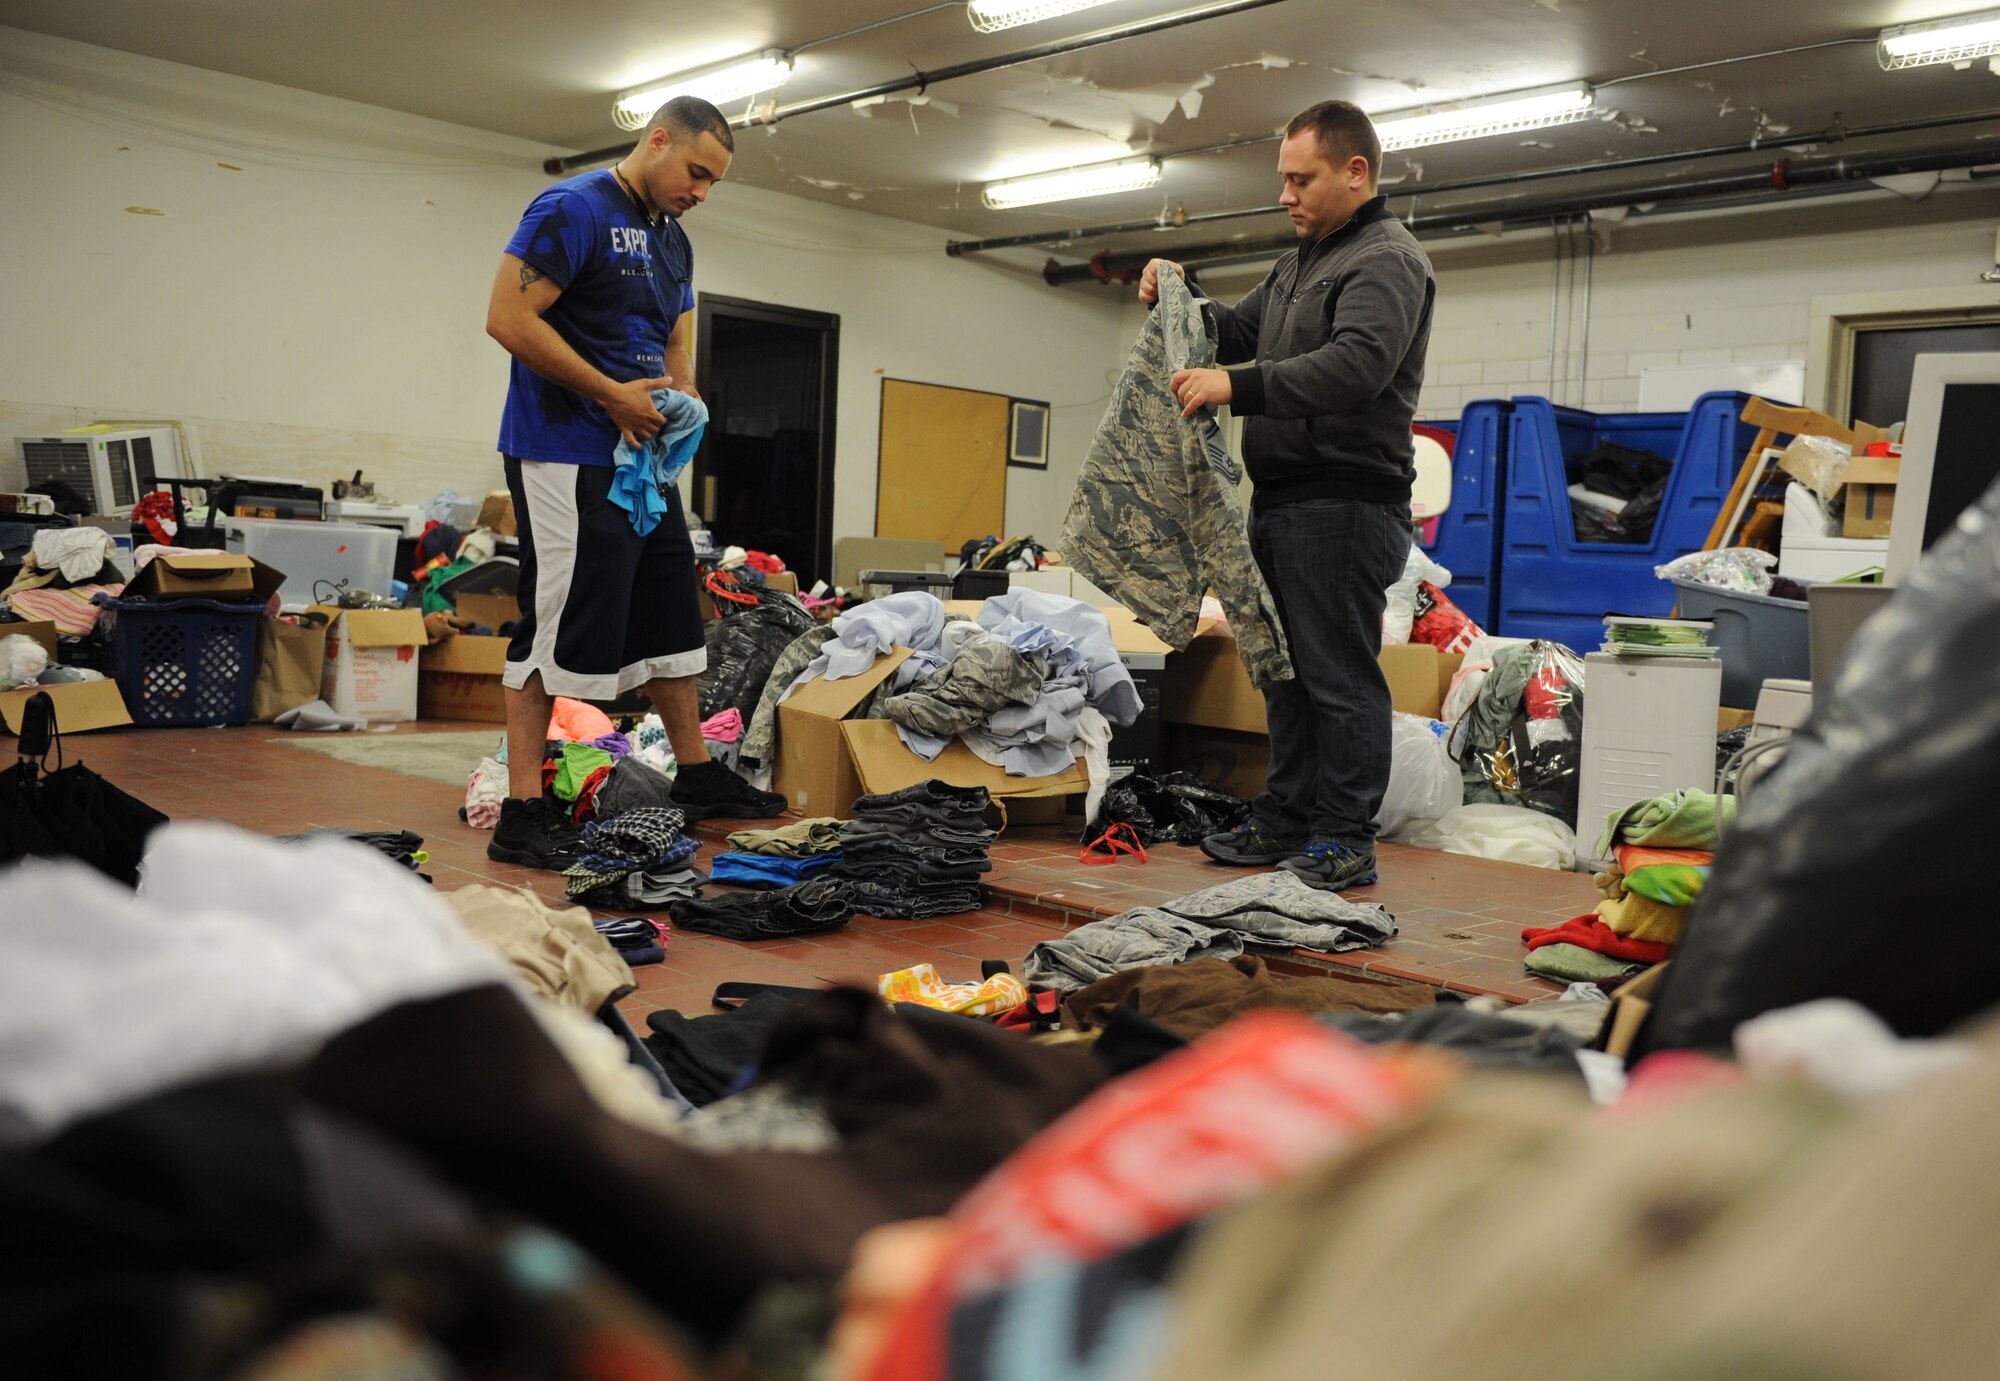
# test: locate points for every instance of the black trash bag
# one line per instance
(1856, 866)
(1636, 519)
(1177, 808)
(743, 646)
(1621, 471)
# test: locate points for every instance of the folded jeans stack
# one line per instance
(808, 908)
(918, 852)
(639, 858)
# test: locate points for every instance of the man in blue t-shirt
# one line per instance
(594, 300)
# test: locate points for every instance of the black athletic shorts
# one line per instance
(603, 610)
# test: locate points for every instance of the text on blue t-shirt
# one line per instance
(624, 284)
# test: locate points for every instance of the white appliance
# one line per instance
(1648, 729)
(109, 469)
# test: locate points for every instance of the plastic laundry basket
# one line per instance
(183, 661)
(1759, 637)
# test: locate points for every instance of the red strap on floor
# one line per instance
(1113, 845)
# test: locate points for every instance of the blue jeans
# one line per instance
(1329, 564)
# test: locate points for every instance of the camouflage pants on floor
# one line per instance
(1155, 521)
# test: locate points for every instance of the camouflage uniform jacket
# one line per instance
(1155, 521)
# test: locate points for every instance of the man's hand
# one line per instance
(1149, 281)
(1199, 388)
(631, 408)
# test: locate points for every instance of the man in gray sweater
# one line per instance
(1336, 336)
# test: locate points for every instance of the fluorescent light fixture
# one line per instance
(1962, 39)
(1066, 184)
(725, 81)
(1508, 114)
(991, 16)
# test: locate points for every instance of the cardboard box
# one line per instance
(1871, 495)
(787, 581)
(490, 610)
(227, 576)
(1229, 758)
(459, 678)
(1207, 685)
(371, 662)
(1061, 580)
(497, 512)
(825, 760)
(79, 708)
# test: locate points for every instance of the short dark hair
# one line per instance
(690, 117)
(1344, 130)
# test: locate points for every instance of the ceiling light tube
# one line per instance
(724, 81)
(1958, 40)
(1507, 114)
(1067, 184)
(991, 16)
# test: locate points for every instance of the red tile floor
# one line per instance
(1460, 918)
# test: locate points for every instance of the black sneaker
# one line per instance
(704, 789)
(1331, 865)
(534, 834)
(1250, 845)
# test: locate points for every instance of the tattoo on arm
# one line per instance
(530, 275)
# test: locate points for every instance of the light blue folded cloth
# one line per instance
(642, 474)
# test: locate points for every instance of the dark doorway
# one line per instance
(763, 478)
(1885, 359)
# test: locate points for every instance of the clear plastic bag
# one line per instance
(1424, 782)
(1521, 742)
(22, 659)
(1401, 610)
(1819, 463)
(1732, 568)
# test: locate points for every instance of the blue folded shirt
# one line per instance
(767, 870)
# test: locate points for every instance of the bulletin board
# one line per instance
(941, 474)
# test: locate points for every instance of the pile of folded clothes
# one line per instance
(779, 857)
(918, 852)
(638, 860)
(637, 940)
(1663, 848)
(811, 907)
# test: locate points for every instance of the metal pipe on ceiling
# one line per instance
(923, 81)
(1778, 179)
(1832, 134)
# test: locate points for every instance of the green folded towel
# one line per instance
(1686, 819)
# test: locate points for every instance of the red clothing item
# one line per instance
(1590, 933)
(764, 561)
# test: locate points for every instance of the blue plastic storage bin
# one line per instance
(1553, 586)
(1468, 533)
(182, 661)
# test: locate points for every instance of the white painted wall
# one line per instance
(317, 305)
(1704, 289)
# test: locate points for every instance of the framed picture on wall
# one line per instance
(1028, 434)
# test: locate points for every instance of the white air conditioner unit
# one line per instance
(109, 470)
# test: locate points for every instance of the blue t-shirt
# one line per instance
(625, 284)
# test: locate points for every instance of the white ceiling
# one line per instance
(547, 73)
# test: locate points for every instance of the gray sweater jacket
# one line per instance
(1338, 330)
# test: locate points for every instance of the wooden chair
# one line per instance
(1774, 420)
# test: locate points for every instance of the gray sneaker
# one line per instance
(1332, 866)
(1251, 846)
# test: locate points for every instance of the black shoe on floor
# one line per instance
(1250, 845)
(704, 789)
(534, 834)
(1333, 866)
